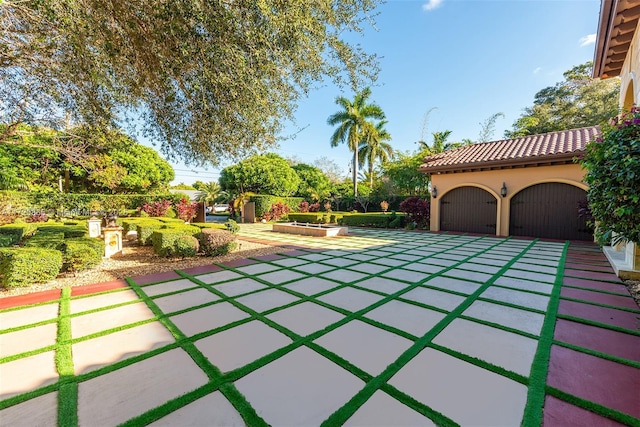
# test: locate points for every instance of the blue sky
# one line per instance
(468, 58)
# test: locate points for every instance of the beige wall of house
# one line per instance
(630, 75)
(515, 179)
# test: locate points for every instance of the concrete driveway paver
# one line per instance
(137, 388)
(305, 318)
(235, 347)
(26, 374)
(463, 392)
(383, 410)
(26, 340)
(218, 277)
(350, 299)
(207, 318)
(239, 287)
(369, 268)
(369, 348)
(382, 284)
(212, 410)
(314, 268)
(451, 284)
(267, 300)
(41, 411)
(103, 300)
(27, 316)
(525, 285)
(406, 317)
(434, 298)
(508, 350)
(184, 300)
(344, 276)
(406, 275)
(95, 353)
(281, 276)
(524, 299)
(91, 323)
(523, 320)
(167, 287)
(300, 388)
(311, 285)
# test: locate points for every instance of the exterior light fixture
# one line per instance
(434, 192)
(503, 190)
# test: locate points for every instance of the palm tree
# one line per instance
(373, 147)
(209, 193)
(351, 121)
(439, 141)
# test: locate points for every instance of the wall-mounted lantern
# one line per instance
(434, 192)
(503, 190)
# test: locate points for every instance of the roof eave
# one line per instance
(562, 158)
(605, 25)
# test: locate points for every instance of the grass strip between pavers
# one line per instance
(68, 391)
(599, 324)
(597, 304)
(611, 357)
(540, 367)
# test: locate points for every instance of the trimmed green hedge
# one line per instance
(77, 255)
(164, 240)
(94, 243)
(375, 220)
(18, 231)
(310, 217)
(69, 231)
(264, 202)
(145, 229)
(5, 241)
(51, 240)
(21, 267)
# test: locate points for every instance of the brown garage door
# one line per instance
(550, 211)
(468, 209)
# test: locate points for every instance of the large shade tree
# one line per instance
(352, 120)
(578, 101)
(263, 174)
(374, 147)
(208, 80)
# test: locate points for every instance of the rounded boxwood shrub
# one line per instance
(186, 246)
(217, 242)
(5, 241)
(48, 240)
(21, 267)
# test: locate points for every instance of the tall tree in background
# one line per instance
(488, 127)
(578, 101)
(209, 80)
(351, 121)
(374, 147)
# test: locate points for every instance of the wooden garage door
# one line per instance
(468, 209)
(549, 210)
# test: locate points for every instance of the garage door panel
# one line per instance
(549, 210)
(468, 209)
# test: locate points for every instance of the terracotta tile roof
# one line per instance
(553, 147)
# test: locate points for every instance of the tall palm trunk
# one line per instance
(355, 172)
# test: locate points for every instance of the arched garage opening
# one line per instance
(549, 210)
(468, 209)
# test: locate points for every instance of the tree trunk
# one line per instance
(355, 172)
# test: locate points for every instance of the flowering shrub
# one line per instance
(314, 207)
(384, 205)
(159, 208)
(303, 207)
(612, 162)
(277, 211)
(418, 210)
(186, 211)
(39, 216)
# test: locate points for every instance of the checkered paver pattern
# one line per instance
(381, 327)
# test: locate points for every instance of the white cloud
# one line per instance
(537, 70)
(588, 39)
(431, 4)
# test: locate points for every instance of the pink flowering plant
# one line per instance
(612, 164)
(186, 211)
(156, 209)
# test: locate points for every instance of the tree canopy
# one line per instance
(578, 101)
(314, 185)
(208, 80)
(112, 163)
(263, 174)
